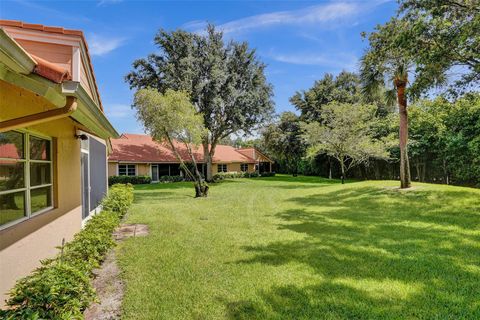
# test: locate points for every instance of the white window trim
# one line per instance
(126, 168)
(26, 171)
(222, 165)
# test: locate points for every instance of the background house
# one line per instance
(138, 154)
(53, 144)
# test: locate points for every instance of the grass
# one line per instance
(303, 248)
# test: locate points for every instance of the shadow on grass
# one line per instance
(299, 179)
(379, 254)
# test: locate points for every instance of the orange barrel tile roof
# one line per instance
(142, 148)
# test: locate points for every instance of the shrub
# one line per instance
(234, 175)
(119, 199)
(61, 288)
(129, 179)
(171, 179)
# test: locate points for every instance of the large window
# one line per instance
(25, 176)
(244, 167)
(127, 170)
(222, 168)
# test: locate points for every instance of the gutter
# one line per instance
(36, 118)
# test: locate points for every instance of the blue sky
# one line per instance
(299, 41)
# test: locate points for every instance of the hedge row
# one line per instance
(171, 179)
(60, 288)
(129, 179)
(234, 175)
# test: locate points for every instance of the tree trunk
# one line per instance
(417, 166)
(329, 168)
(342, 165)
(197, 179)
(445, 172)
(403, 133)
(208, 162)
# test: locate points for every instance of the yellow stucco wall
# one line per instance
(23, 245)
(143, 169)
(112, 169)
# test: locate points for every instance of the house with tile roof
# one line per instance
(139, 154)
(54, 141)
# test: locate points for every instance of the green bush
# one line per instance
(61, 288)
(119, 199)
(234, 175)
(129, 179)
(171, 179)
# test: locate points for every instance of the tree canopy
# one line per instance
(172, 118)
(345, 133)
(283, 139)
(442, 35)
(225, 81)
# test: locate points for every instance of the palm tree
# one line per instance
(384, 66)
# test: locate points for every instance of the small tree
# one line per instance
(172, 117)
(346, 134)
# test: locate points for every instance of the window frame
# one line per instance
(27, 188)
(126, 169)
(222, 165)
(244, 166)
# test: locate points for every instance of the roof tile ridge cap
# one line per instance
(50, 70)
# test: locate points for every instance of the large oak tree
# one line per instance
(226, 81)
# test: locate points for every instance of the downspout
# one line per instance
(36, 118)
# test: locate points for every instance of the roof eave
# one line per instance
(14, 56)
(88, 112)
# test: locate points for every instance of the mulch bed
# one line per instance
(108, 282)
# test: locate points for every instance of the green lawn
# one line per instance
(303, 248)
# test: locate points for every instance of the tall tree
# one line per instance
(386, 65)
(283, 140)
(226, 82)
(171, 117)
(346, 134)
(344, 88)
(442, 35)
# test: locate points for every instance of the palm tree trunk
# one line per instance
(403, 133)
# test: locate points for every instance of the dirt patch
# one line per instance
(107, 281)
(109, 288)
(130, 230)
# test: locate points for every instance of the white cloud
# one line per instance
(328, 14)
(119, 111)
(334, 60)
(107, 2)
(101, 45)
(324, 13)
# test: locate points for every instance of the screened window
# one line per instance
(127, 170)
(222, 168)
(244, 167)
(25, 176)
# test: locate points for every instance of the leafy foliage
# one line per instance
(119, 199)
(445, 139)
(442, 34)
(61, 288)
(129, 179)
(172, 117)
(283, 140)
(345, 133)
